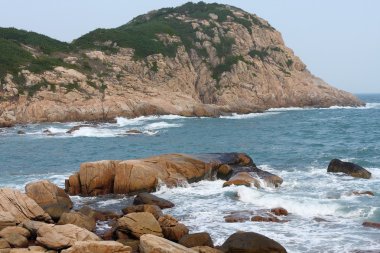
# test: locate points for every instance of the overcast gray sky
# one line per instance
(339, 40)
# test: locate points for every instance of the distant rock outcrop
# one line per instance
(193, 60)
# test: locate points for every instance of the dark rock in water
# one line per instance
(279, 211)
(258, 218)
(20, 132)
(363, 193)
(47, 131)
(76, 128)
(250, 242)
(197, 239)
(348, 168)
(150, 199)
(133, 132)
(318, 219)
(239, 216)
(153, 209)
(371, 224)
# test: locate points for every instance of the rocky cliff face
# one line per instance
(197, 59)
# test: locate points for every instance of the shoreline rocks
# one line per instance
(144, 175)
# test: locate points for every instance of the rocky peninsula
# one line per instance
(192, 60)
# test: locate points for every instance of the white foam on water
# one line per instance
(284, 109)
(109, 202)
(56, 130)
(248, 116)
(121, 121)
(95, 132)
(160, 125)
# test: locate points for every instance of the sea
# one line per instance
(294, 143)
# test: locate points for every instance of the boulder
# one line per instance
(56, 210)
(150, 199)
(20, 132)
(59, 237)
(134, 244)
(4, 244)
(243, 178)
(238, 216)
(197, 239)
(46, 194)
(154, 244)
(224, 172)
(171, 228)
(15, 230)
(348, 168)
(371, 224)
(7, 220)
(16, 240)
(258, 218)
(98, 215)
(250, 242)
(98, 247)
(32, 227)
(21, 207)
(143, 175)
(78, 219)
(138, 224)
(206, 249)
(153, 209)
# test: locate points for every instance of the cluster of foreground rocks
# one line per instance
(43, 220)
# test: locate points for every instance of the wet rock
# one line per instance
(7, 220)
(138, 224)
(98, 247)
(224, 172)
(243, 178)
(171, 228)
(76, 128)
(250, 242)
(279, 211)
(150, 199)
(21, 207)
(14, 230)
(258, 218)
(196, 239)
(348, 168)
(58, 237)
(155, 244)
(363, 193)
(239, 216)
(79, 220)
(47, 131)
(371, 224)
(153, 209)
(50, 197)
(21, 132)
(133, 132)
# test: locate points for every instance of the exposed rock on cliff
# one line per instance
(196, 59)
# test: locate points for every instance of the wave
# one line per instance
(248, 116)
(161, 125)
(95, 132)
(121, 121)
(335, 107)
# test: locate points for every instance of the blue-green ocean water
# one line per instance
(296, 144)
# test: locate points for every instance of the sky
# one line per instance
(339, 40)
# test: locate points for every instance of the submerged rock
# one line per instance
(250, 242)
(370, 193)
(371, 224)
(243, 178)
(133, 132)
(144, 175)
(348, 168)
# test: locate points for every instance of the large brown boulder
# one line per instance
(250, 242)
(348, 168)
(150, 199)
(155, 244)
(243, 178)
(206, 249)
(59, 237)
(7, 220)
(16, 240)
(78, 219)
(98, 215)
(171, 228)
(50, 197)
(21, 207)
(144, 175)
(15, 230)
(4, 244)
(197, 239)
(98, 247)
(153, 209)
(138, 224)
